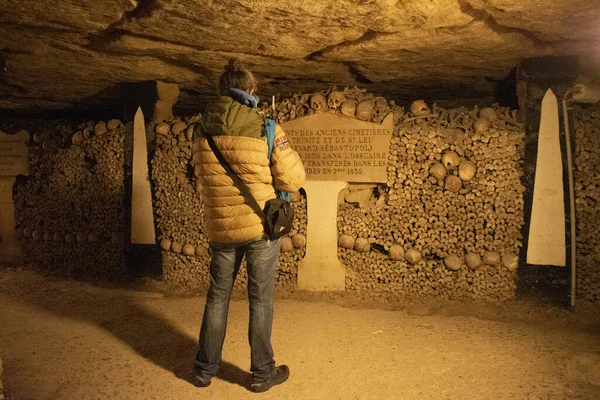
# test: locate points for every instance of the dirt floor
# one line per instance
(73, 340)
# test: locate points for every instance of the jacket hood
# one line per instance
(229, 117)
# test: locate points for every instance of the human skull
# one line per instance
(301, 110)
(481, 125)
(489, 114)
(364, 110)
(348, 108)
(453, 183)
(418, 108)
(113, 125)
(335, 99)
(318, 102)
(450, 160)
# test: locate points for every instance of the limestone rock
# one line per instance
(167, 92)
(83, 60)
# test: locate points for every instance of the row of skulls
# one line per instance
(336, 100)
(362, 110)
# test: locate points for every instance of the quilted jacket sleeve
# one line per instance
(286, 166)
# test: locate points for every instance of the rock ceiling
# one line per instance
(65, 54)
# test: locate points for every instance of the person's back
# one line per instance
(234, 228)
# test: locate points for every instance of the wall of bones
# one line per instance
(586, 130)
(446, 223)
(69, 210)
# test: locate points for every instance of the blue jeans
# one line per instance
(261, 257)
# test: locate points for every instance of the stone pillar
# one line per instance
(155, 98)
(13, 162)
(168, 94)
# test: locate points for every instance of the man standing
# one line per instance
(234, 228)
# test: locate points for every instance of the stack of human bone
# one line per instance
(177, 206)
(69, 211)
(586, 131)
(447, 222)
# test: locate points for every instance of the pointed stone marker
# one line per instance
(335, 150)
(547, 240)
(142, 216)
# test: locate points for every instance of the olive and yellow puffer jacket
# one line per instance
(237, 131)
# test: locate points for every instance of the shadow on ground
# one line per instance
(147, 333)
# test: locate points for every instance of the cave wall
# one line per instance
(72, 53)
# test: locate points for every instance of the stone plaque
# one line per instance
(335, 150)
(13, 162)
(13, 154)
(338, 148)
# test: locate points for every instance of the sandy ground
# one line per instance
(72, 340)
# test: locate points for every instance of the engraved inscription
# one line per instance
(339, 148)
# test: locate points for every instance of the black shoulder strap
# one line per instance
(244, 189)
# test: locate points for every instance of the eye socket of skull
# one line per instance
(335, 99)
(318, 102)
(418, 108)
